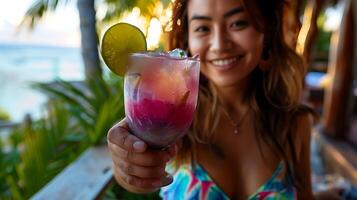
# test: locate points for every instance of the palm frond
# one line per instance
(78, 93)
(111, 112)
(37, 10)
(44, 143)
(67, 96)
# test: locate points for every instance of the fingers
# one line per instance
(144, 183)
(134, 163)
(120, 135)
(140, 171)
(148, 158)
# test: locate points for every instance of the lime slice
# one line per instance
(118, 42)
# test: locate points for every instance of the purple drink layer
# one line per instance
(159, 123)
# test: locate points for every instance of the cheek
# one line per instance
(257, 46)
(196, 46)
(252, 42)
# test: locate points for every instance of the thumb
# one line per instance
(120, 135)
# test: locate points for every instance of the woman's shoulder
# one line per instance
(305, 118)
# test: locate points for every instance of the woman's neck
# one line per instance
(232, 97)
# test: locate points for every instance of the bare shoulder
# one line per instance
(303, 171)
(304, 123)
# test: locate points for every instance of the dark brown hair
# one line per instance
(274, 94)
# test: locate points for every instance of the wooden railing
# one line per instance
(86, 178)
(337, 157)
(7, 125)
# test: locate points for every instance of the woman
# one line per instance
(250, 138)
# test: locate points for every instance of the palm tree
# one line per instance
(89, 38)
(87, 18)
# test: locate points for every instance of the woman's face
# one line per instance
(229, 46)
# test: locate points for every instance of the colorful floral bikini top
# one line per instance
(196, 184)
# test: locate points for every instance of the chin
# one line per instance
(225, 82)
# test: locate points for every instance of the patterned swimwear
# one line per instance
(196, 184)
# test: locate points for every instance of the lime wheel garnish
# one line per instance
(118, 42)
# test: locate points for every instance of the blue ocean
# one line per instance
(22, 64)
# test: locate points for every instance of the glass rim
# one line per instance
(154, 54)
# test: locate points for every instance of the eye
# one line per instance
(201, 29)
(238, 25)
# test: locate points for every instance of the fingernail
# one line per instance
(139, 145)
(168, 179)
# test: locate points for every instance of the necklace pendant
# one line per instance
(236, 131)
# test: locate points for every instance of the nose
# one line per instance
(220, 40)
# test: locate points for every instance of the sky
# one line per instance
(60, 28)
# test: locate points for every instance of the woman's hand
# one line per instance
(136, 167)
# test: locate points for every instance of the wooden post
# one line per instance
(352, 137)
(308, 31)
(334, 120)
(292, 23)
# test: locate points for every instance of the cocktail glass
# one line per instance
(160, 94)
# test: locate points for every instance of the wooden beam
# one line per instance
(337, 93)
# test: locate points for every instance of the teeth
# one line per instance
(224, 61)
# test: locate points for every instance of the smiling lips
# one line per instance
(226, 63)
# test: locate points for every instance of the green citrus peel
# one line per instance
(118, 42)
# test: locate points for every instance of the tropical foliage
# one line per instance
(95, 106)
(4, 116)
(78, 115)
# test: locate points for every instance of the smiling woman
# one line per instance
(239, 43)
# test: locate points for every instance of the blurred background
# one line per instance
(58, 100)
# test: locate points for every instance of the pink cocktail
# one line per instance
(160, 96)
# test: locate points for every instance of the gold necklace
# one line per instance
(234, 123)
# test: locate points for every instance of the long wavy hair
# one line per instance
(274, 94)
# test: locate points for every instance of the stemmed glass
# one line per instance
(160, 95)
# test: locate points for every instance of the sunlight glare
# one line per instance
(333, 17)
(152, 28)
(154, 34)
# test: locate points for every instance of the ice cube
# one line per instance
(178, 53)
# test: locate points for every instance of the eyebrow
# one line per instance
(233, 11)
(227, 14)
